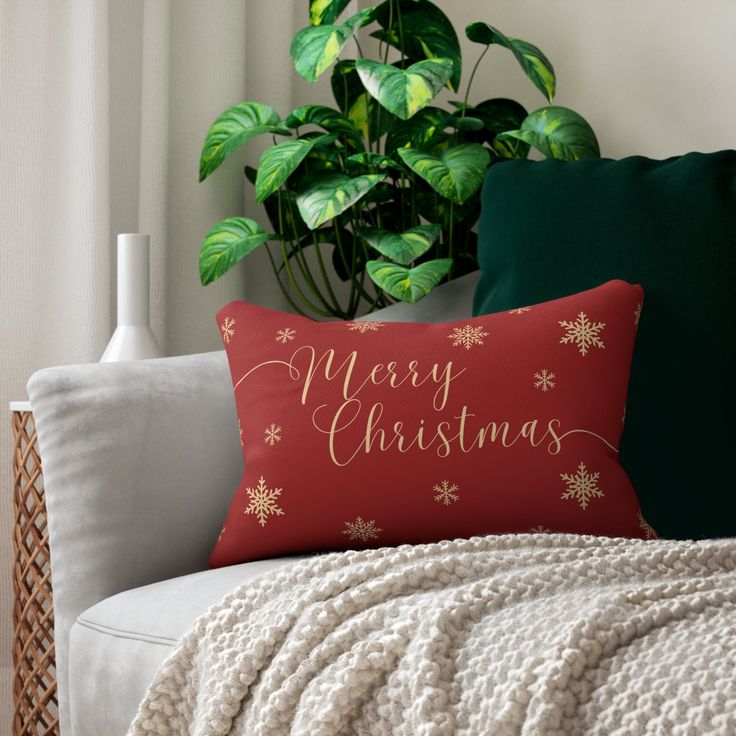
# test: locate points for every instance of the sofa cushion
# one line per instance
(117, 645)
(550, 228)
(367, 434)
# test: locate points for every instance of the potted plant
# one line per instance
(382, 189)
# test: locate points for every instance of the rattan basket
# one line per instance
(34, 678)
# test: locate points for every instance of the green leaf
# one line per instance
(425, 130)
(325, 11)
(404, 91)
(466, 122)
(330, 195)
(291, 226)
(403, 247)
(446, 213)
(315, 48)
(455, 174)
(356, 104)
(426, 32)
(228, 242)
(534, 63)
(557, 132)
(233, 128)
(372, 161)
(279, 162)
(408, 284)
(498, 116)
(331, 120)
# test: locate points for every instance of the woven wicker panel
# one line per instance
(34, 682)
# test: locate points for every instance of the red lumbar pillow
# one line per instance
(364, 434)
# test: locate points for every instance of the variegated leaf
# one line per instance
(227, 243)
(425, 30)
(455, 174)
(234, 127)
(408, 284)
(403, 248)
(404, 92)
(557, 132)
(315, 48)
(534, 63)
(329, 196)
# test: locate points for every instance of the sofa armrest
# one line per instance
(140, 461)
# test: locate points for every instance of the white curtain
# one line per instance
(104, 105)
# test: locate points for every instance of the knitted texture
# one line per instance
(517, 634)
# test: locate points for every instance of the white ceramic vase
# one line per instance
(133, 339)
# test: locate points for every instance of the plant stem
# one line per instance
(335, 308)
(338, 311)
(307, 275)
(284, 290)
(401, 32)
(295, 285)
(470, 80)
(450, 242)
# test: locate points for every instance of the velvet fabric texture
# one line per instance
(551, 228)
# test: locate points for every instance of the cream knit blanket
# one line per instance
(518, 634)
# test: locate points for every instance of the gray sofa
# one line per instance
(140, 463)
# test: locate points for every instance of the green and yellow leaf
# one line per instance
(232, 129)
(330, 195)
(328, 118)
(557, 132)
(531, 59)
(456, 173)
(228, 242)
(408, 284)
(425, 130)
(356, 104)
(315, 48)
(404, 92)
(403, 248)
(325, 12)
(426, 33)
(278, 163)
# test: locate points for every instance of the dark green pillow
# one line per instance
(553, 228)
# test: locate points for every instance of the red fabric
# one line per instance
(422, 393)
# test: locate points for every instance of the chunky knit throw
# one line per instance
(504, 635)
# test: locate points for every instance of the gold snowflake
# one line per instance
(361, 530)
(544, 380)
(646, 527)
(364, 327)
(272, 434)
(263, 501)
(582, 486)
(519, 310)
(637, 314)
(539, 529)
(446, 493)
(228, 329)
(285, 335)
(583, 333)
(467, 336)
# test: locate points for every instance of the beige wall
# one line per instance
(653, 77)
